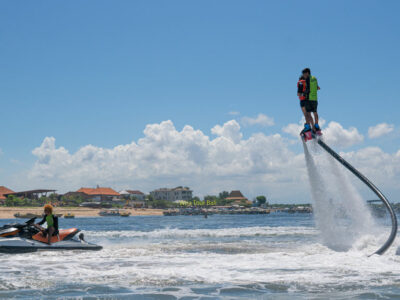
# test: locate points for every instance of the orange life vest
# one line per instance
(302, 89)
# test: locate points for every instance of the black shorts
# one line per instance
(311, 106)
(303, 103)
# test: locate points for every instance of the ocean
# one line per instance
(276, 256)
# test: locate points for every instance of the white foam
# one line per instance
(340, 212)
(309, 265)
(193, 233)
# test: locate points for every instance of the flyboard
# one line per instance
(309, 135)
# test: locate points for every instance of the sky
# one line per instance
(149, 94)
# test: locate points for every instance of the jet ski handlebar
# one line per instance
(30, 221)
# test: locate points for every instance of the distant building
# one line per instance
(4, 190)
(98, 194)
(237, 198)
(31, 194)
(178, 193)
(133, 194)
(133, 198)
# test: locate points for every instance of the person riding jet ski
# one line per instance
(52, 223)
(26, 237)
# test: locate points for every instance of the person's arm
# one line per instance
(299, 88)
(43, 220)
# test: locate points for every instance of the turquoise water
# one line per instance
(276, 256)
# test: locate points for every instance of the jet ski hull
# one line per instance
(23, 245)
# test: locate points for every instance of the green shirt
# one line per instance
(313, 96)
(49, 221)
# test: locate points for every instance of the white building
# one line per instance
(178, 193)
(134, 195)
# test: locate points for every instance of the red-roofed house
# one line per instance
(98, 194)
(4, 190)
(237, 198)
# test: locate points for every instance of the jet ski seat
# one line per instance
(63, 235)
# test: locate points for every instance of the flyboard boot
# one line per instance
(306, 133)
(317, 129)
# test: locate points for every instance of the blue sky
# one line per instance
(97, 72)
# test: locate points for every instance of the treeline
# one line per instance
(209, 200)
(12, 200)
(150, 202)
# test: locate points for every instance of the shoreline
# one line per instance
(79, 212)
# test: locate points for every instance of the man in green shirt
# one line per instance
(311, 104)
(52, 223)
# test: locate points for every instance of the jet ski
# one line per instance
(25, 237)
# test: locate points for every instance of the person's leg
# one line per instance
(316, 117)
(303, 109)
(44, 232)
(311, 120)
(315, 113)
(50, 234)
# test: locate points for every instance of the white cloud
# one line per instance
(261, 119)
(379, 130)
(165, 156)
(381, 167)
(230, 130)
(294, 129)
(336, 135)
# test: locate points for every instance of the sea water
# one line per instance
(276, 256)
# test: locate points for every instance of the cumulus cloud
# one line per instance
(381, 167)
(230, 130)
(168, 157)
(261, 119)
(336, 135)
(294, 129)
(379, 130)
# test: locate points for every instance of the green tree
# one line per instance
(161, 204)
(211, 199)
(10, 200)
(223, 195)
(261, 200)
(53, 197)
(245, 203)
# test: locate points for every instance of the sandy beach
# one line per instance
(8, 212)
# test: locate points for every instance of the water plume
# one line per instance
(341, 214)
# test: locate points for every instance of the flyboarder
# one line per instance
(307, 90)
(302, 93)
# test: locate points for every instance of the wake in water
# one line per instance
(340, 212)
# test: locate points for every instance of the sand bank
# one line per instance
(8, 212)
